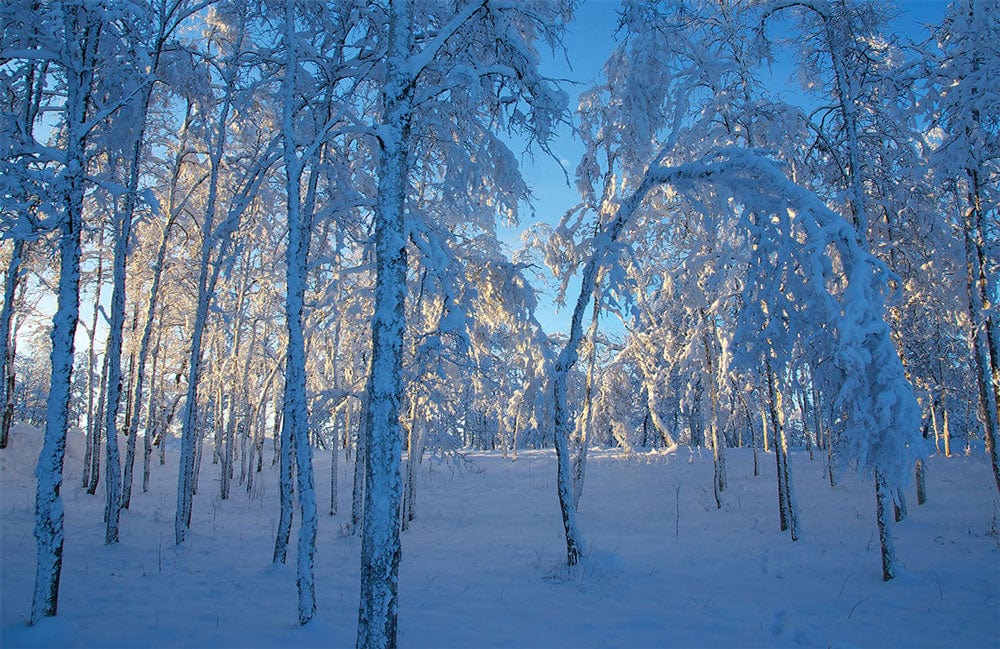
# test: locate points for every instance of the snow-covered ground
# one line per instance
(481, 563)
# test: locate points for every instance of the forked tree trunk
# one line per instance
(123, 232)
(788, 514)
(718, 443)
(296, 413)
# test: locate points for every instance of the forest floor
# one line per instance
(482, 566)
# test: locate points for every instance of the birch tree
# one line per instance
(77, 28)
(963, 102)
(491, 47)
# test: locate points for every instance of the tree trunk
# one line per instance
(116, 326)
(229, 440)
(946, 431)
(579, 464)
(979, 310)
(764, 436)
(149, 434)
(934, 425)
(380, 545)
(190, 436)
(899, 505)
(11, 280)
(345, 418)
(130, 416)
(49, 533)
(95, 458)
(921, 483)
(718, 443)
(883, 502)
(358, 483)
(788, 513)
(296, 413)
(409, 487)
(286, 491)
(93, 429)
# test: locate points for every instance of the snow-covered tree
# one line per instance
(73, 50)
(478, 57)
(963, 104)
(670, 134)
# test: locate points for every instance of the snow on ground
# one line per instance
(481, 563)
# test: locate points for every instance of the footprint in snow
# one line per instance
(777, 623)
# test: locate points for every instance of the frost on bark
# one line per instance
(295, 435)
(380, 547)
(49, 533)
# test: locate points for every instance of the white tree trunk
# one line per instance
(579, 463)
(296, 416)
(380, 548)
(112, 481)
(49, 533)
(92, 455)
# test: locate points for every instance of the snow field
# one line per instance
(482, 561)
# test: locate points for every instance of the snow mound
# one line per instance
(18, 460)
